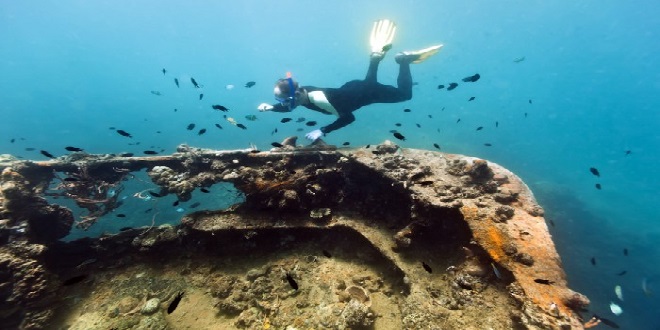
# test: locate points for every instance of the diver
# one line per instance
(355, 94)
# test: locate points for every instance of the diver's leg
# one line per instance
(372, 72)
(404, 81)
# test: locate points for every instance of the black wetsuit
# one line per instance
(358, 93)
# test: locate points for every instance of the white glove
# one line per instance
(265, 107)
(313, 135)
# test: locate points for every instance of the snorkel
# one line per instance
(290, 101)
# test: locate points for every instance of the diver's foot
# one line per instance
(378, 56)
(417, 56)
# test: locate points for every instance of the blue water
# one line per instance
(72, 69)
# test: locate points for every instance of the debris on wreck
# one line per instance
(382, 211)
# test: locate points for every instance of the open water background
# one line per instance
(69, 70)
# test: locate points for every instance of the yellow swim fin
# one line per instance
(417, 56)
(382, 35)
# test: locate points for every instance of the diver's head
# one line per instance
(286, 91)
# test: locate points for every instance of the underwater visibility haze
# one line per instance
(567, 98)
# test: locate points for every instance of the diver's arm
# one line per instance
(279, 107)
(342, 121)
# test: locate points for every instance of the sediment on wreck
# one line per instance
(451, 237)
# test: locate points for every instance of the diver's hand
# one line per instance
(313, 135)
(264, 107)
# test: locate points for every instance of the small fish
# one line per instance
(418, 125)
(519, 59)
(190, 126)
(175, 109)
(157, 93)
(73, 149)
(251, 117)
(74, 280)
(622, 273)
(218, 126)
(628, 152)
(230, 120)
(148, 210)
(616, 309)
(12, 140)
(71, 180)
(155, 195)
(276, 145)
(399, 136)
(452, 86)
(326, 254)
(488, 144)
(497, 124)
(291, 281)
(192, 80)
(430, 117)
(150, 152)
(543, 281)
(204, 190)
(525, 114)
(273, 132)
(441, 86)
(397, 124)
(219, 107)
(180, 209)
(625, 252)
(201, 131)
(480, 128)
(173, 305)
(30, 149)
(121, 215)
(437, 146)
(300, 120)
(124, 133)
(593, 261)
(427, 267)
(229, 87)
(346, 143)
(164, 71)
(552, 223)
(176, 82)
(472, 78)
(496, 271)
(471, 98)
(310, 123)
(285, 120)
(406, 110)
(645, 287)
(458, 121)
(126, 154)
(594, 171)
(176, 203)
(530, 101)
(249, 84)
(241, 126)
(618, 292)
(201, 96)
(367, 146)
(195, 204)
(46, 153)
(598, 186)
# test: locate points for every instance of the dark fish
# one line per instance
(367, 146)
(397, 124)
(157, 93)
(471, 98)
(176, 81)
(30, 149)
(204, 190)
(218, 126)
(472, 78)
(497, 124)
(74, 280)
(593, 261)
(552, 223)
(628, 152)
(430, 117)
(594, 171)
(176, 203)
(155, 194)
(291, 281)
(437, 146)
(71, 180)
(625, 252)
(164, 71)
(127, 154)
(190, 126)
(124, 133)
(175, 109)
(480, 128)
(47, 154)
(241, 126)
(406, 110)
(195, 204)
(458, 121)
(250, 84)
(12, 140)
(201, 96)
(452, 86)
(273, 132)
(150, 152)
(418, 125)
(326, 254)
(488, 144)
(441, 86)
(125, 228)
(148, 210)
(543, 281)
(121, 215)
(310, 123)
(427, 267)
(300, 120)
(399, 136)
(174, 303)
(525, 114)
(201, 131)
(192, 80)
(425, 183)
(622, 273)
(285, 120)
(530, 101)
(607, 322)
(598, 186)
(346, 143)
(73, 149)
(219, 107)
